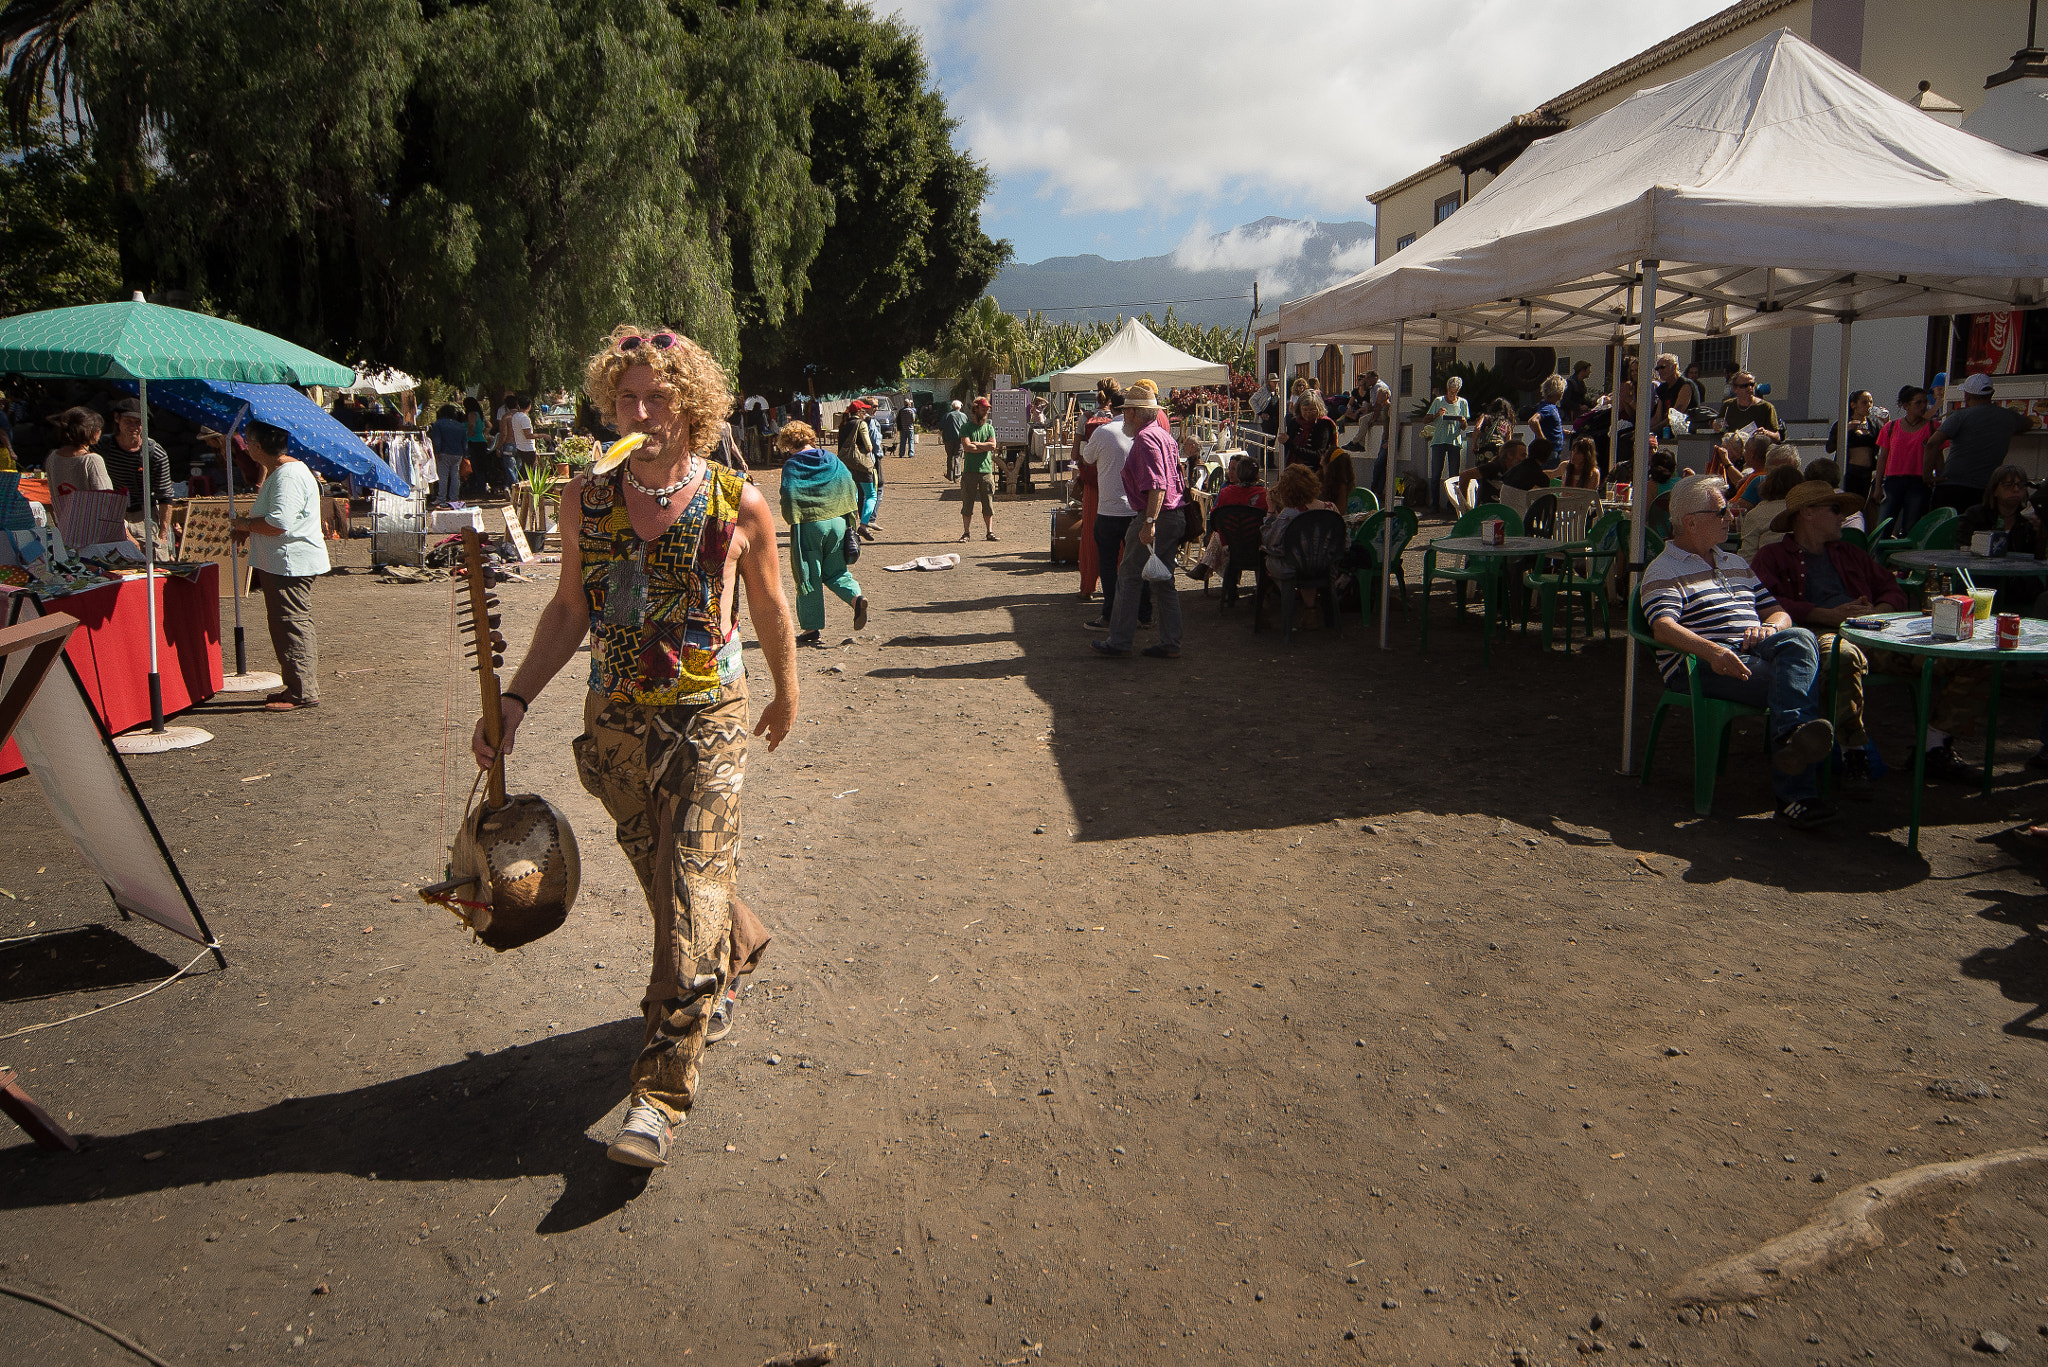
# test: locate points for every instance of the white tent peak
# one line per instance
(1136, 353)
(1777, 187)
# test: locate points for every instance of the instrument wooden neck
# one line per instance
(484, 636)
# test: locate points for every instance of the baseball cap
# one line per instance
(1977, 384)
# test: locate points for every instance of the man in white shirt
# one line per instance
(519, 427)
(1106, 449)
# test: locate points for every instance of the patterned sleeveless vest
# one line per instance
(661, 634)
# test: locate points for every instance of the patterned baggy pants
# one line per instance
(671, 778)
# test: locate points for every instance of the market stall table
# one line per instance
(1479, 548)
(1973, 567)
(110, 649)
(1907, 633)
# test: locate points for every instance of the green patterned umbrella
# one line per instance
(144, 341)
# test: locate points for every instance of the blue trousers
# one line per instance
(1786, 680)
(1905, 500)
(1443, 463)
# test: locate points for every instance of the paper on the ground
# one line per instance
(926, 562)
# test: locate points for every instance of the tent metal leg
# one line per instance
(1387, 493)
(1639, 500)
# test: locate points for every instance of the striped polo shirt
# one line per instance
(1718, 601)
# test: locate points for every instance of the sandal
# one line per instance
(991, 536)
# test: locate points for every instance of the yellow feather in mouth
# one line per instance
(615, 455)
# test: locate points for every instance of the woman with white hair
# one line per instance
(1449, 416)
(1546, 424)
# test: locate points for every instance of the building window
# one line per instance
(1407, 381)
(1447, 206)
(1713, 355)
(1404, 242)
(1441, 359)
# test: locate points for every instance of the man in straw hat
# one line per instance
(653, 554)
(1822, 581)
(1158, 494)
(1705, 601)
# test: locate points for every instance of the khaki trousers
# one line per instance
(1961, 691)
(670, 777)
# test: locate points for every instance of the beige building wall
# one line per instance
(1953, 45)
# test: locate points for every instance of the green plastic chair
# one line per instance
(1362, 501)
(1367, 539)
(1883, 546)
(1711, 717)
(1937, 531)
(1856, 537)
(1468, 525)
(1605, 540)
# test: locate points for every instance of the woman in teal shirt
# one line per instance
(1450, 416)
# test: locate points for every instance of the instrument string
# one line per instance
(448, 707)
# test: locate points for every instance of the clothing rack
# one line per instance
(398, 523)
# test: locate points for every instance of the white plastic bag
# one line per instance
(1681, 423)
(1157, 570)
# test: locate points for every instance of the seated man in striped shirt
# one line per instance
(1703, 600)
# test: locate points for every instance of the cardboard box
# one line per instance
(1954, 617)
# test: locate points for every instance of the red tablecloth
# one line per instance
(110, 649)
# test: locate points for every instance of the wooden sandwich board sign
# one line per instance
(518, 535)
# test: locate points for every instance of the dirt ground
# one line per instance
(1313, 1003)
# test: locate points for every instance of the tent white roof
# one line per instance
(1136, 353)
(1776, 188)
(382, 382)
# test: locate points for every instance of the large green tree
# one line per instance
(905, 251)
(56, 227)
(482, 188)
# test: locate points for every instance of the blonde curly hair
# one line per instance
(703, 394)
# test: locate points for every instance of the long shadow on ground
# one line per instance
(1245, 732)
(473, 1119)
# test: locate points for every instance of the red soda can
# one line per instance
(2008, 631)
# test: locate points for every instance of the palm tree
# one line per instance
(982, 341)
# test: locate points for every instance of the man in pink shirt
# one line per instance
(1157, 490)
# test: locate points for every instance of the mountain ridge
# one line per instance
(1213, 274)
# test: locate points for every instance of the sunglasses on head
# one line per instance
(660, 341)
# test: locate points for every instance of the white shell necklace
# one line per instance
(663, 495)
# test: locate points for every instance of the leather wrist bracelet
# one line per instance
(524, 705)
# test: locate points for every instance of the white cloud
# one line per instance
(1175, 104)
(1349, 261)
(1248, 248)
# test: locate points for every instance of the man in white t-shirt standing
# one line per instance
(519, 426)
(1105, 449)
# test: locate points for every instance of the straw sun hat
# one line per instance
(1142, 394)
(1812, 492)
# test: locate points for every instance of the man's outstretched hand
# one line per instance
(776, 719)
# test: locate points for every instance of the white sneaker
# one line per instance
(644, 1139)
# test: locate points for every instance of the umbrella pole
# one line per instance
(1639, 500)
(156, 682)
(1387, 493)
(227, 456)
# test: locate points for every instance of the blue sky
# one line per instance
(1125, 129)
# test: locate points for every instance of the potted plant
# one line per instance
(533, 493)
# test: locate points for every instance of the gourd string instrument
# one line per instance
(513, 869)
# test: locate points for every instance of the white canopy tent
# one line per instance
(1136, 353)
(376, 383)
(1775, 188)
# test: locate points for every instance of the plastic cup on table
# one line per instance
(1983, 598)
